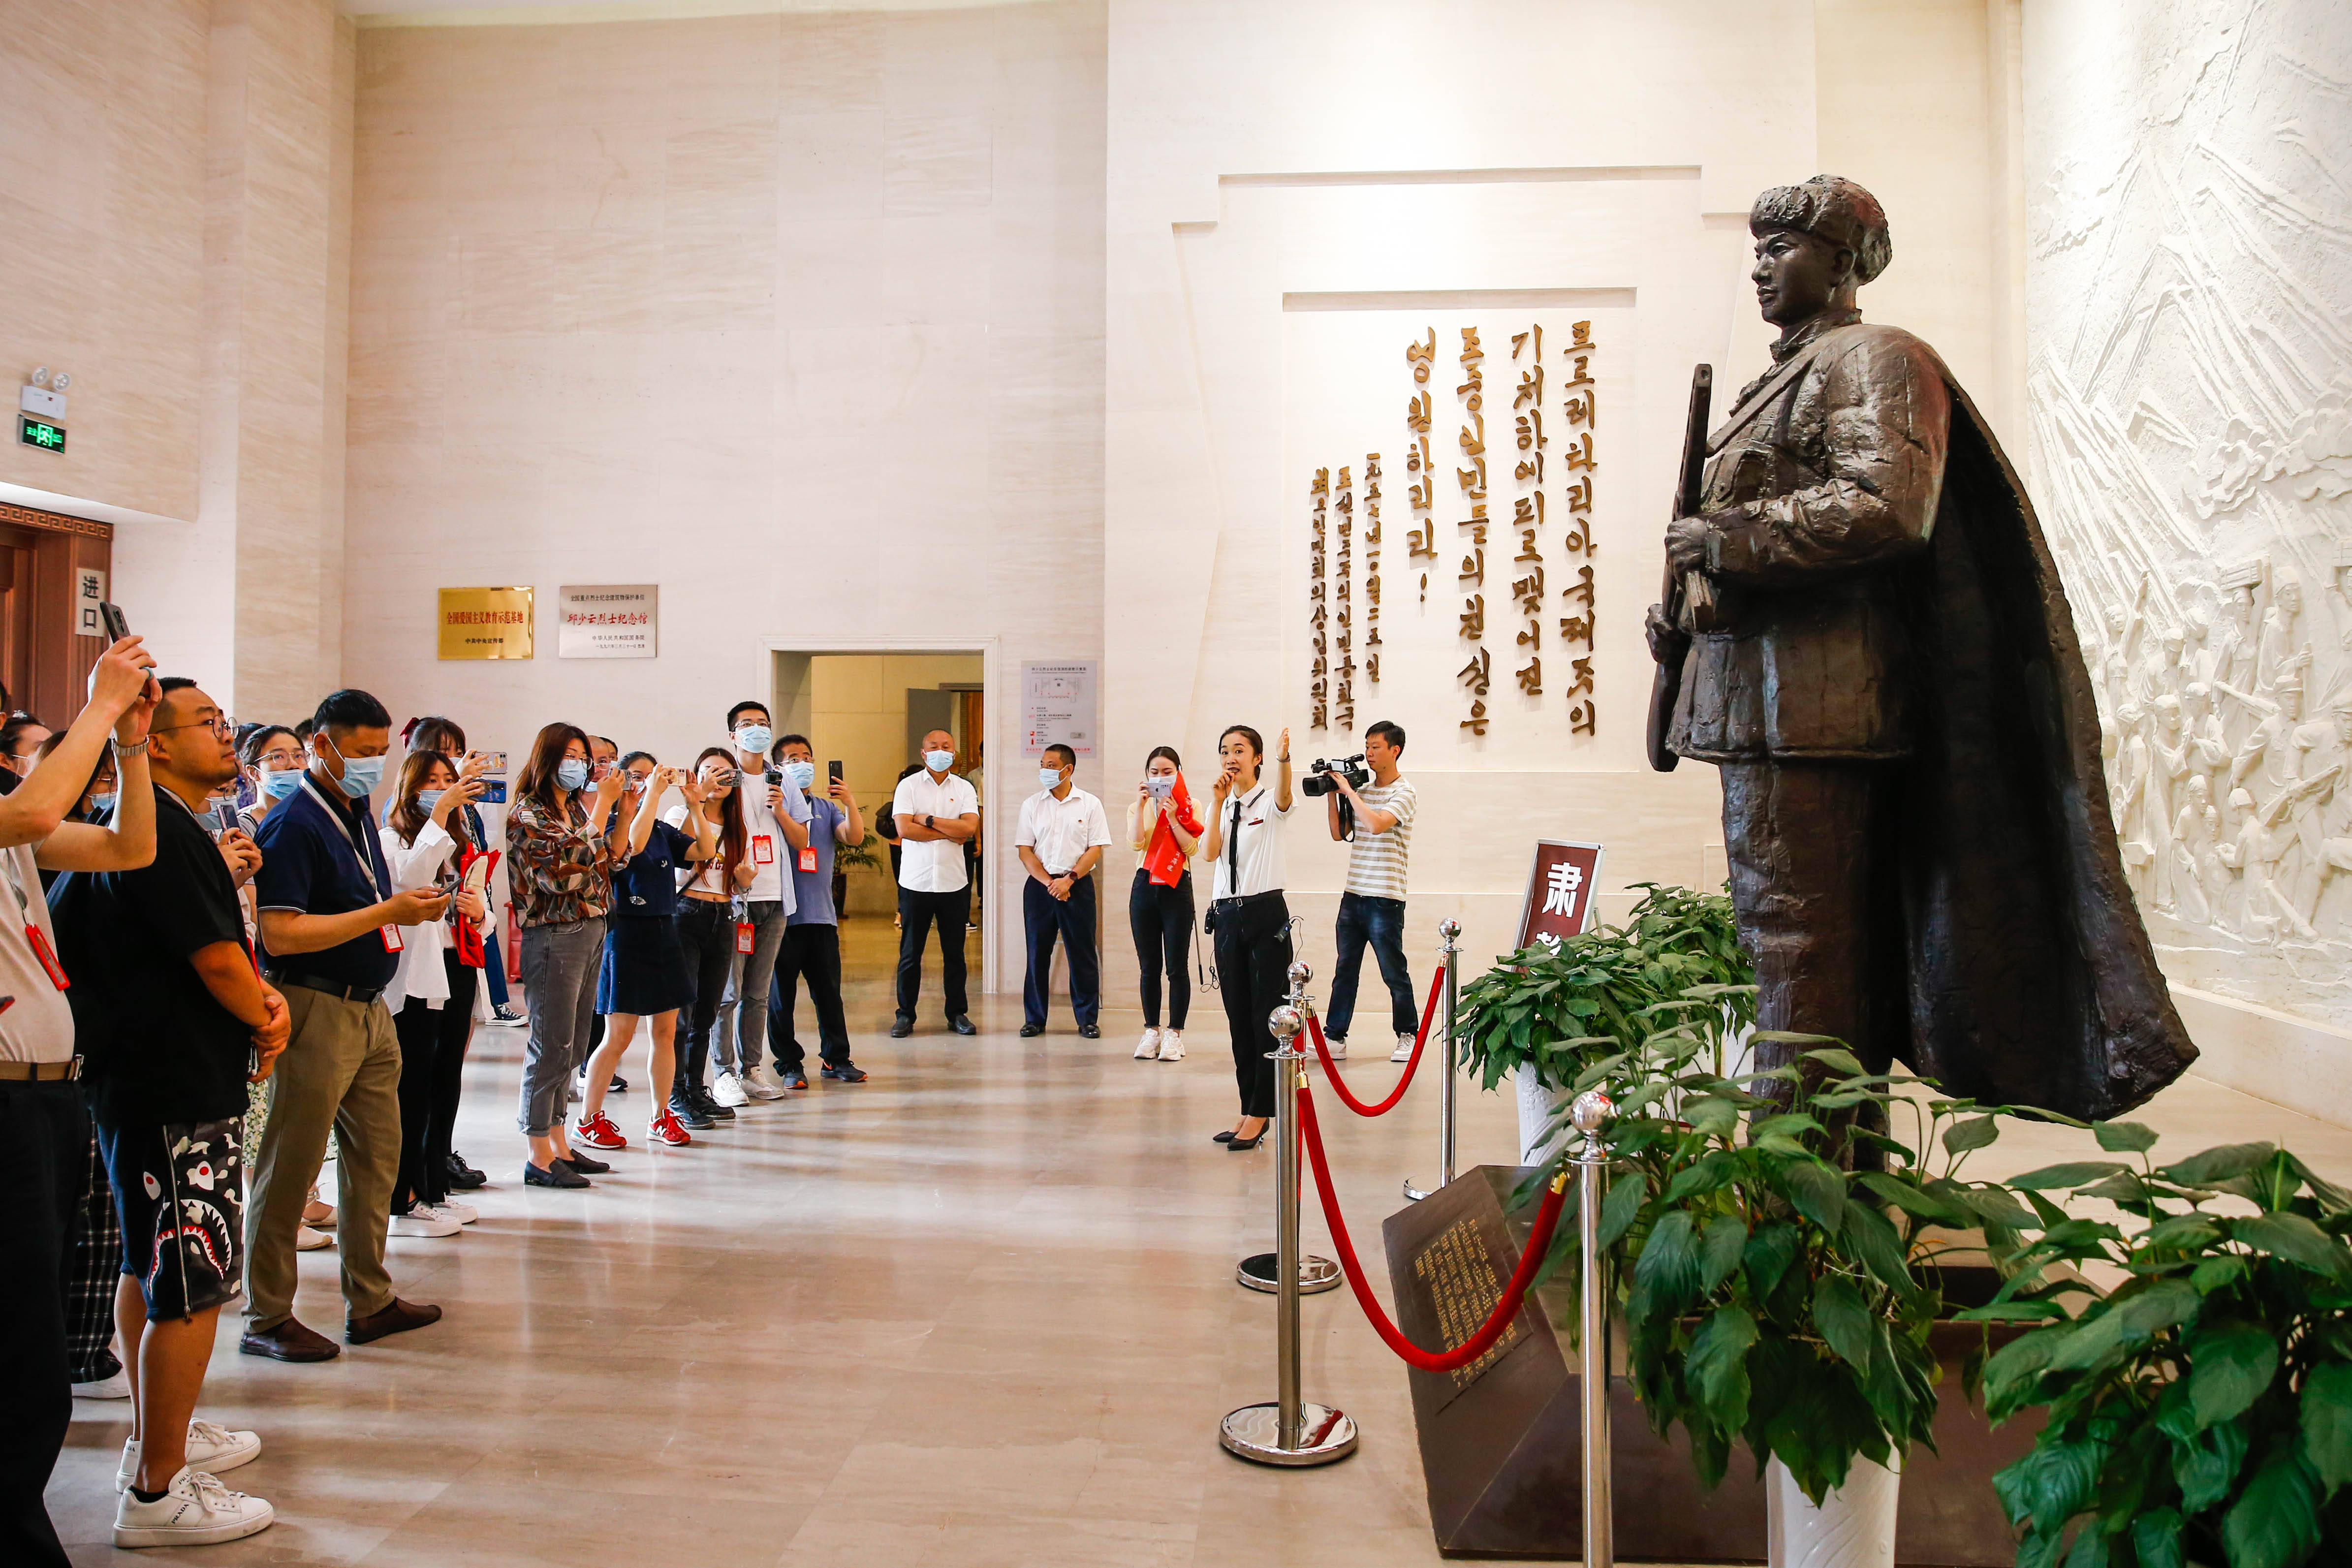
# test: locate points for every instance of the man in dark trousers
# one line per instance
(1876, 652)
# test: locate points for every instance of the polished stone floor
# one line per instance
(978, 1310)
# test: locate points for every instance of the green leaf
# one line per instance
(1911, 1199)
(2052, 1484)
(1624, 1202)
(2217, 1274)
(2090, 1549)
(2294, 1239)
(2155, 1538)
(2328, 1423)
(1719, 1251)
(2076, 1173)
(1717, 1365)
(1842, 1318)
(2181, 1233)
(1668, 1269)
(2207, 1463)
(1971, 1132)
(2275, 1521)
(1715, 1117)
(2124, 1137)
(2128, 1321)
(1818, 1190)
(1873, 1240)
(2230, 1366)
(1838, 1059)
(2217, 1165)
(1770, 1252)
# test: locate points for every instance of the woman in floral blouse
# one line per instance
(561, 868)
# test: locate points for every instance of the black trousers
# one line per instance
(810, 952)
(1161, 919)
(432, 1072)
(706, 928)
(44, 1166)
(1073, 919)
(916, 911)
(1252, 941)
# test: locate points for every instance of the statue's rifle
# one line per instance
(1666, 685)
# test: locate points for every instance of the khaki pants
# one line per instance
(341, 1067)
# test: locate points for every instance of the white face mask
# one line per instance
(939, 761)
(1050, 777)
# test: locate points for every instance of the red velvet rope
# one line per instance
(1428, 1011)
(1477, 1344)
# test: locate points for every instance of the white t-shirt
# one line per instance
(1255, 844)
(1376, 860)
(39, 1027)
(1062, 830)
(764, 841)
(934, 866)
(711, 876)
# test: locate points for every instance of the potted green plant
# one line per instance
(1774, 1296)
(2200, 1411)
(862, 853)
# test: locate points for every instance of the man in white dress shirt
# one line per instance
(1063, 834)
(937, 815)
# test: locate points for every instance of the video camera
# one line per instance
(1323, 775)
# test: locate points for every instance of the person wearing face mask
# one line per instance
(560, 867)
(1164, 830)
(434, 733)
(333, 923)
(1061, 839)
(20, 745)
(427, 839)
(937, 813)
(776, 823)
(811, 949)
(706, 929)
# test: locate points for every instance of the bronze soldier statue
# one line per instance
(1876, 652)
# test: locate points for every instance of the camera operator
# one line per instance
(1373, 908)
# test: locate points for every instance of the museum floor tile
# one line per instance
(978, 1310)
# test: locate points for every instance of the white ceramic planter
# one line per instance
(1854, 1528)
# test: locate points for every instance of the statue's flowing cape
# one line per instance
(2029, 977)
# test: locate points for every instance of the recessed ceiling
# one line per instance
(508, 13)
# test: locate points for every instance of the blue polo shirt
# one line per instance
(312, 866)
(812, 890)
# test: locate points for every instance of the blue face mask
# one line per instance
(427, 799)
(278, 786)
(801, 774)
(939, 761)
(361, 776)
(1050, 777)
(99, 802)
(754, 738)
(571, 773)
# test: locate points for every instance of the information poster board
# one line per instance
(607, 620)
(1057, 706)
(485, 623)
(1560, 886)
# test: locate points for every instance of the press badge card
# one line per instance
(764, 849)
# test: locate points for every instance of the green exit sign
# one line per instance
(40, 432)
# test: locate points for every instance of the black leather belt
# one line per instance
(1246, 900)
(40, 1072)
(285, 977)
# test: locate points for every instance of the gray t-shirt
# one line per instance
(35, 1023)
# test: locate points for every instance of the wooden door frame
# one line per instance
(58, 681)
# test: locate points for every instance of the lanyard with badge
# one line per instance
(34, 936)
(807, 861)
(388, 931)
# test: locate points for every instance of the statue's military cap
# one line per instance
(1831, 208)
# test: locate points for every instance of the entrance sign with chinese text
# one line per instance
(1560, 886)
(607, 620)
(485, 623)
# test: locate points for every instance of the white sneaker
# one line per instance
(423, 1220)
(759, 1081)
(1172, 1046)
(195, 1511)
(464, 1214)
(308, 1240)
(1403, 1053)
(1146, 1049)
(1339, 1049)
(115, 1387)
(729, 1091)
(212, 1448)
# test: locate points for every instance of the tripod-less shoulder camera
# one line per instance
(1323, 774)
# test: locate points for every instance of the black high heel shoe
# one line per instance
(1235, 1145)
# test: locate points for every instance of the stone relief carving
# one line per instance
(2189, 398)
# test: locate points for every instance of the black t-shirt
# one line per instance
(157, 1046)
(647, 887)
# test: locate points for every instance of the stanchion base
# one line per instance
(1316, 1275)
(1255, 1432)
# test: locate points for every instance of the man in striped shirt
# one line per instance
(1373, 908)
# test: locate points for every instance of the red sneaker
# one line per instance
(665, 1129)
(598, 1132)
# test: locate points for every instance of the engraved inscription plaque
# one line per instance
(1464, 1287)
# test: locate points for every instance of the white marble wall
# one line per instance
(2189, 374)
(799, 316)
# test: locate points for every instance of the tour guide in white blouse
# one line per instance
(937, 815)
(1251, 924)
(1063, 834)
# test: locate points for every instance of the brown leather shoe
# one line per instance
(398, 1317)
(289, 1341)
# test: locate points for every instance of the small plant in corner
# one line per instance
(2200, 1412)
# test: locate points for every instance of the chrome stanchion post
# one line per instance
(1260, 1270)
(1591, 1115)
(1449, 953)
(1292, 1430)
